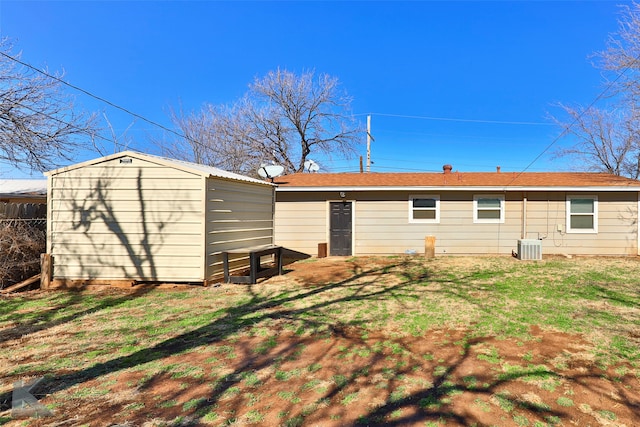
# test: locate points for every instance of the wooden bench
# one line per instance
(256, 271)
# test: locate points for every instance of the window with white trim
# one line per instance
(582, 214)
(424, 208)
(488, 209)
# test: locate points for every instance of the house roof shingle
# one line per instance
(455, 180)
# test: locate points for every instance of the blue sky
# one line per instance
(465, 83)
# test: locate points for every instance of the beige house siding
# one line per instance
(239, 215)
(382, 226)
(617, 224)
(301, 222)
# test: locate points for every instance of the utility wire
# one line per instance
(158, 125)
(449, 119)
(71, 125)
(575, 120)
(99, 98)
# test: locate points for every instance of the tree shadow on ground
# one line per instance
(428, 403)
(55, 315)
(234, 319)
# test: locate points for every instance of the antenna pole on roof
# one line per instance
(369, 138)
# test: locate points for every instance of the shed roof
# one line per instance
(456, 181)
(23, 187)
(204, 170)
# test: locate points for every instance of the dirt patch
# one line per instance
(260, 368)
(331, 270)
(352, 377)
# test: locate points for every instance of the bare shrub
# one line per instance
(21, 243)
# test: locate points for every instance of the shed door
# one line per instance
(340, 228)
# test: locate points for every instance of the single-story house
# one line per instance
(139, 217)
(466, 212)
(23, 191)
(23, 198)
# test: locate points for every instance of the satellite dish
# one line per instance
(311, 166)
(270, 171)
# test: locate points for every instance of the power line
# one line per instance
(575, 120)
(71, 125)
(158, 125)
(451, 119)
(99, 98)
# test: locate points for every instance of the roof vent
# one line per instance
(447, 169)
(498, 169)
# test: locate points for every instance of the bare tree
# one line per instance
(216, 136)
(38, 122)
(607, 140)
(120, 142)
(621, 59)
(284, 118)
(608, 137)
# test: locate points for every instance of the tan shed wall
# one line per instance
(116, 221)
(381, 224)
(239, 215)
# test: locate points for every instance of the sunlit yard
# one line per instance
(359, 341)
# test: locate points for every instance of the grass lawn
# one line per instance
(335, 342)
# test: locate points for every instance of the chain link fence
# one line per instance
(23, 234)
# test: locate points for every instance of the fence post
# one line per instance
(430, 247)
(45, 270)
(322, 250)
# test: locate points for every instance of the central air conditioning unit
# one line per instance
(530, 249)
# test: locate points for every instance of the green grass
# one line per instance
(314, 367)
(608, 415)
(340, 380)
(484, 406)
(491, 355)
(504, 401)
(193, 404)
(564, 401)
(167, 404)
(289, 396)
(349, 399)
(251, 379)
(250, 343)
(254, 417)
(521, 420)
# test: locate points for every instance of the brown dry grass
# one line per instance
(21, 244)
(372, 341)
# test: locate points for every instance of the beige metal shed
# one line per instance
(136, 217)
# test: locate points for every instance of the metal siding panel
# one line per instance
(455, 234)
(382, 224)
(301, 225)
(113, 221)
(239, 215)
(617, 216)
(169, 273)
